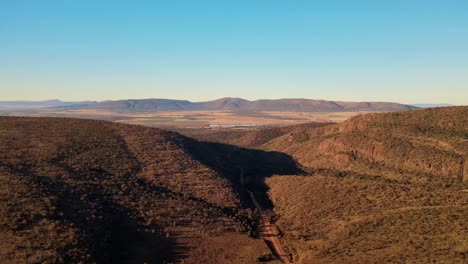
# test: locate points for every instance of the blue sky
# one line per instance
(408, 51)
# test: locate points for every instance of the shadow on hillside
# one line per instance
(109, 232)
(245, 168)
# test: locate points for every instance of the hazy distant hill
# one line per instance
(41, 104)
(431, 105)
(239, 104)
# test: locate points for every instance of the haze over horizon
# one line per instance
(398, 51)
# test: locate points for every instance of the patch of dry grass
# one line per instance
(329, 219)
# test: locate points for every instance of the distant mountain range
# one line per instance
(239, 104)
(41, 104)
(233, 104)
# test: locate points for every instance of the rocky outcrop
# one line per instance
(430, 143)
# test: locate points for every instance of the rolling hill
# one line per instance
(419, 145)
(87, 191)
(379, 188)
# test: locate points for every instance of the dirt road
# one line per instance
(270, 235)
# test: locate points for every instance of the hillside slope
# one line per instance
(380, 188)
(92, 191)
(329, 219)
(420, 145)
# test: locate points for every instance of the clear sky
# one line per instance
(409, 51)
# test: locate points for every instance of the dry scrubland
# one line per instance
(329, 219)
(91, 191)
(376, 188)
(383, 188)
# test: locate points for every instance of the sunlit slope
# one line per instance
(419, 145)
(330, 219)
(381, 188)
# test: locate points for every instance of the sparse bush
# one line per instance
(83, 186)
(343, 219)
